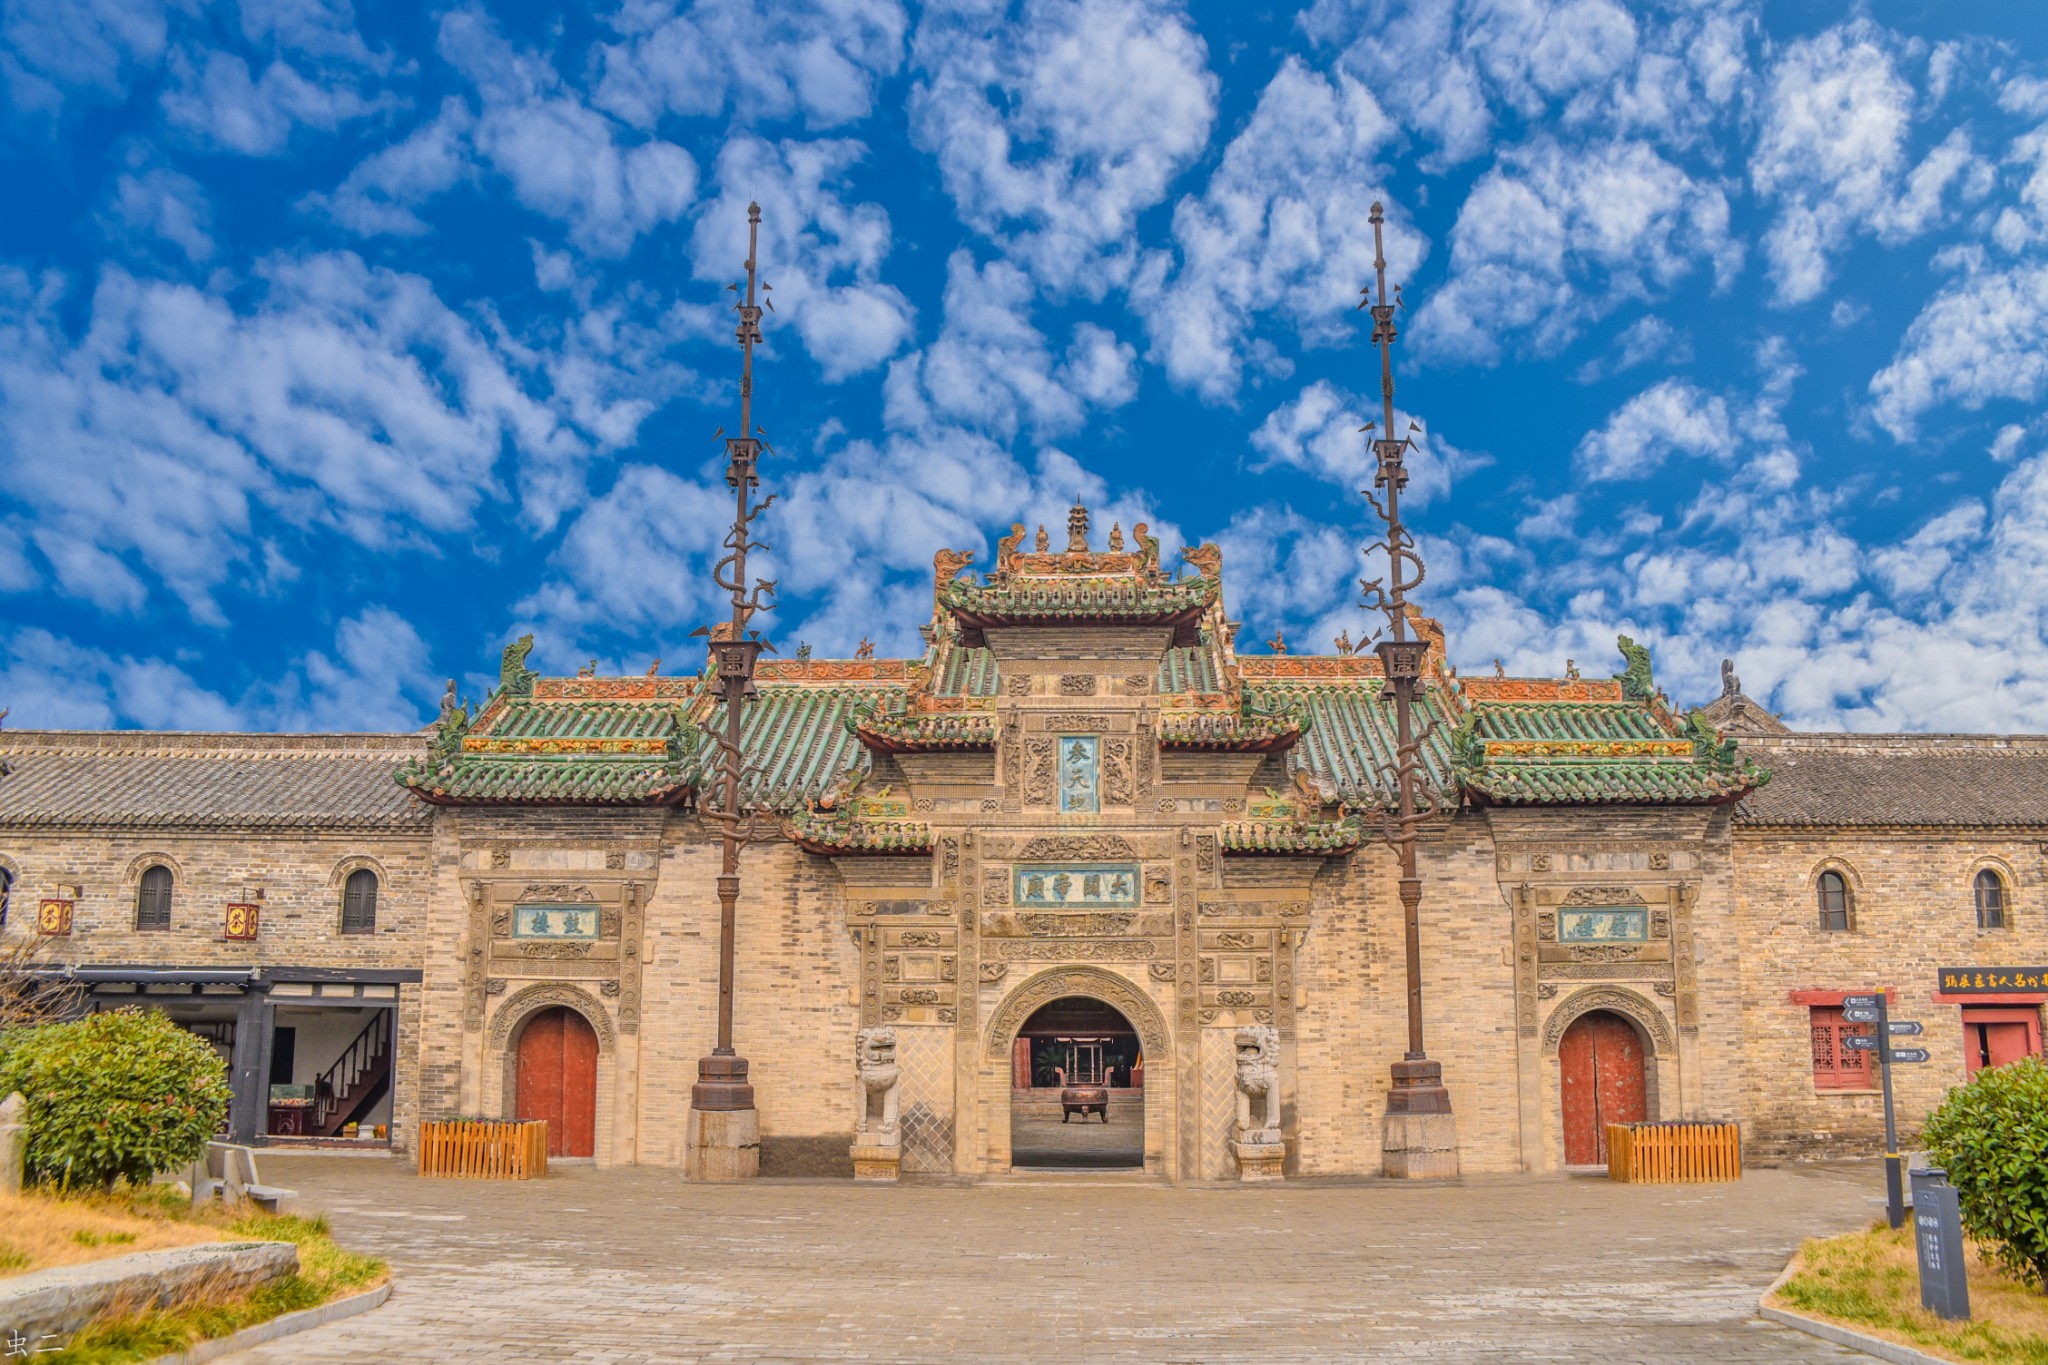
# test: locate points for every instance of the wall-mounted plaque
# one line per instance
(552, 921)
(53, 918)
(1978, 980)
(1075, 886)
(1604, 924)
(241, 920)
(1079, 774)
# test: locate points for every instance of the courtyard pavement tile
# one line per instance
(636, 1265)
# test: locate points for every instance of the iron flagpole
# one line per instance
(724, 1127)
(1421, 1133)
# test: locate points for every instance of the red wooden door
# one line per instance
(1601, 1060)
(1993, 1037)
(557, 1080)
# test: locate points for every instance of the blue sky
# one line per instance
(338, 345)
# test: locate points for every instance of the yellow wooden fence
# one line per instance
(1673, 1153)
(484, 1151)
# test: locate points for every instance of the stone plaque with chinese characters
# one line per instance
(1604, 924)
(1075, 886)
(550, 921)
(1079, 774)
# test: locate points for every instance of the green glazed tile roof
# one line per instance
(800, 738)
(1568, 782)
(1351, 735)
(1193, 668)
(1567, 720)
(559, 782)
(967, 673)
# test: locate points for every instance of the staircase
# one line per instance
(357, 1079)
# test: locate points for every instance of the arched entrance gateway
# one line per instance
(556, 1079)
(1604, 1080)
(1077, 1085)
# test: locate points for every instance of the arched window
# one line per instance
(1990, 889)
(153, 899)
(359, 903)
(1834, 902)
(6, 886)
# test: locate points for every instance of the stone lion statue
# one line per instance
(875, 1063)
(1258, 1078)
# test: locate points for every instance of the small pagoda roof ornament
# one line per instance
(1077, 530)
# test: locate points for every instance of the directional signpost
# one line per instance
(1873, 1009)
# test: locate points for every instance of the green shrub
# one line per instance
(1992, 1138)
(122, 1094)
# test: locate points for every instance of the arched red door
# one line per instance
(556, 1079)
(1600, 1058)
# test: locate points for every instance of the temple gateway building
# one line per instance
(1080, 847)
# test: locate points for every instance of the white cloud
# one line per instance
(383, 190)
(51, 50)
(1281, 227)
(638, 556)
(1555, 236)
(1984, 337)
(1673, 417)
(164, 204)
(991, 370)
(1646, 339)
(1284, 569)
(177, 436)
(773, 60)
(1453, 71)
(1437, 65)
(1318, 431)
(376, 679)
(216, 99)
(1832, 152)
(822, 254)
(564, 159)
(1054, 132)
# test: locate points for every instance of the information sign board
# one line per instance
(1938, 1239)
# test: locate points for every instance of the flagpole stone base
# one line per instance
(722, 1145)
(1421, 1135)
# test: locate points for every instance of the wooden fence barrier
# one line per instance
(1673, 1153)
(484, 1151)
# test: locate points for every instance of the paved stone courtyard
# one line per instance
(1080, 1141)
(635, 1265)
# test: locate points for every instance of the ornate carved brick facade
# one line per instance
(1079, 789)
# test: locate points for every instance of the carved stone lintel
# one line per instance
(1160, 971)
(615, 859)
(1077, 684)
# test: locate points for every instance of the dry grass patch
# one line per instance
(38, 1230)
(1870, 1280)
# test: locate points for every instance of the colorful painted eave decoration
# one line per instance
(1325, 837)
(1220, 730)
(925, 733)
(822, 833)
(1027, 601)
(552, 784)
